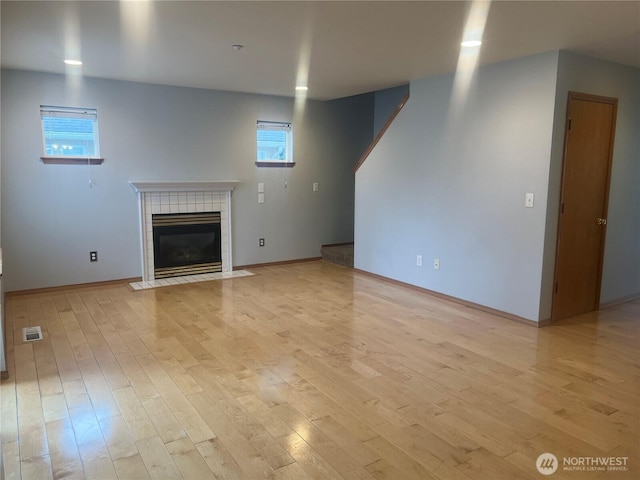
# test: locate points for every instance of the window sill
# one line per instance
(71, 161)
(276, 164)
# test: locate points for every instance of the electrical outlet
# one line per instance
(418, 260)
(316, 186)
(93, 256)
(261, 242)
(436, 264)
(261, 198)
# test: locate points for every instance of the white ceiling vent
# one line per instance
(31, 334)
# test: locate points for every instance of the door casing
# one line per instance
(575, 96)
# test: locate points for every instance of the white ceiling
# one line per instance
(340, 48)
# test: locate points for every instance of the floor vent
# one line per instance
(31, 334)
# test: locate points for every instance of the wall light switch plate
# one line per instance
(316, 186)
(260, 187)
(261, 198)
(528, 200)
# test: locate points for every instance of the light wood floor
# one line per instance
(309, 371)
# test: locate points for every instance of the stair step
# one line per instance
(339, 254)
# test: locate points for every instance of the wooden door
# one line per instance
(582, 223)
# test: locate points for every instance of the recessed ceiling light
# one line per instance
(237, 46)
(471, 43)
(75, 63)
(301, 88)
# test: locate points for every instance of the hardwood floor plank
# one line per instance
(339, 434)
(340, 459)
(292, 471)
(70, 472)
(157, 459)
(498, 435)
(75, 336)
(37, 467)
(414, 443)
(99, 468)
(309, 371)
(603, 395)
(128, 468)
(99, 391)
(89, 439)
(577, 430)
(11, 466)
(26, 373)
(315, 466)
(188, 460)
(48, 377)
(219, 460)
(54, 407)
(134, 414)
(75, 394)
(32, 433)
(110, 368)
(118, 438)
(484, 464)
(251, 429)
(261, 412)
(165, 422)
(190, 420)
(184, 381)
(406, 466)
(446, 471)
(65, 359)
(8, 412)
(33, 442)
(251, 461)
(136, 376)
(380, 469)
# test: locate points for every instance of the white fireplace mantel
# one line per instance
(141, 187)
(183, 197)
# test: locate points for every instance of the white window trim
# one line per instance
(272, 125)
(71, 112)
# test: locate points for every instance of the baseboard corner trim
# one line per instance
(460, 301)
(619, 301)
(105, 283)
(276, 264)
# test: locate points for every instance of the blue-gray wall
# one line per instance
(51, 219)
(450, 183)
(386, 101)
(621, 269)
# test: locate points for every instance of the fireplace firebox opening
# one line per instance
(186, 244)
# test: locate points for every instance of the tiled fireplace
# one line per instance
(157, 198)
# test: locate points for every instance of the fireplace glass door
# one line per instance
(185, 244)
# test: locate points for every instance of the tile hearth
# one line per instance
(206, 277)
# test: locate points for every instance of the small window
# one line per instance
(70, 132)
(274, 144)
